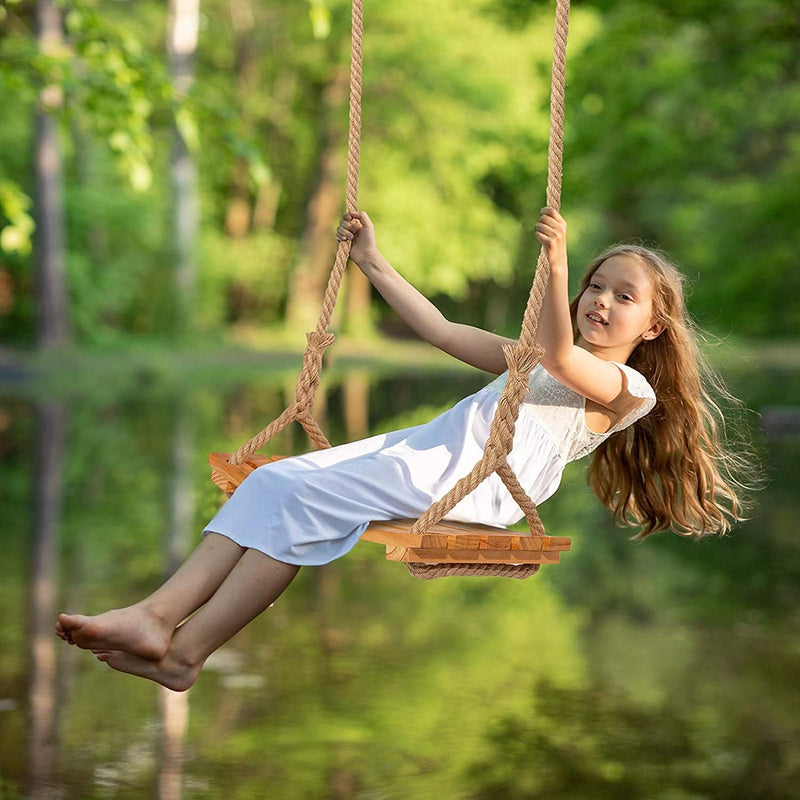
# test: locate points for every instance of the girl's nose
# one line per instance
(600, 301)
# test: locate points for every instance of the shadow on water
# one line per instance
(658, 670)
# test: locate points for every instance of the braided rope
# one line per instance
(301, 408)
(528, 352)
(427, 572)
(501, 433)
(555, 154)
(521, 358)
(521, 497)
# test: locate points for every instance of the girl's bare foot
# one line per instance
(170, 671)
(135, 630)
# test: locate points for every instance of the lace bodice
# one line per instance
(562, 412)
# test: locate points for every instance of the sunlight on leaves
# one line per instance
(320, 17)
(14, 205)
(187, 127)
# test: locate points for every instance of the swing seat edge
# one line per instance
(445, 543)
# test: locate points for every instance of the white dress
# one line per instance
(312, 509)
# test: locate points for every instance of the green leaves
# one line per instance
(682, 128)
(320, 17)
(15, 236)
(683, 122)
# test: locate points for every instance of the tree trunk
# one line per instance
(355, 396)
(307, 285)
(266, 207)
(42, 673)
(174, 706)
(51, 290)
(239, 212)
(182, 31)
(181, 500)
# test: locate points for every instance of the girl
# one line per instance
(625, 341)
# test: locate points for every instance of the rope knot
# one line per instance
(319, 342)
(522, 358)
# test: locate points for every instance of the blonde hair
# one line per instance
(673, 468)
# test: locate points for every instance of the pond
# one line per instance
(664, 670)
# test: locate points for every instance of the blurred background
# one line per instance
(171, 175)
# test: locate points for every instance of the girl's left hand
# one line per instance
(551, 232)
(358, 229)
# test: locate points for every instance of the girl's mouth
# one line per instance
(595, 318)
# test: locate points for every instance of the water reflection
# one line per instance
(42, 688)
(662, 670)
(174, 706)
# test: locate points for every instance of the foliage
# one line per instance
(686, 119)
(665, 669)
(682, 129)
(15, 206)
(597, 743)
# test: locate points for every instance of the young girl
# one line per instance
(621, 376)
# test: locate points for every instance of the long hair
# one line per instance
(673, 468)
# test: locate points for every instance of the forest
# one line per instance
(198, 189)
(171, 177)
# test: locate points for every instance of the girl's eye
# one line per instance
(594, 286)
(626, 297)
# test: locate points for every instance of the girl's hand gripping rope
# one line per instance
(551, 232)
(358, 229)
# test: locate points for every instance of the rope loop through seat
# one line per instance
(521, 357)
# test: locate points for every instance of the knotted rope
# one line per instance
(521, 357)
(301, 407)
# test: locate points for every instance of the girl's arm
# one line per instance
(596, 379)
(473, 346)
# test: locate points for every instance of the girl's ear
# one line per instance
(654, 331)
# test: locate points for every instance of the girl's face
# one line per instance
(615, 312)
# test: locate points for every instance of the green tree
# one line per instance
(683, 121)
(685, 126)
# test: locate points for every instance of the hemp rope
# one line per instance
(301, 407)
(521, 357)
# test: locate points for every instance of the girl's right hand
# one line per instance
(551, 231)
(357, 228)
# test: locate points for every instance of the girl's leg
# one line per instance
(145, 629)
(252, 585)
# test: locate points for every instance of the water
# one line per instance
(663, 670)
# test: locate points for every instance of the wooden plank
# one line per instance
(228, 476)
(398, 538)
(411, 554)
(446, 542)
(510, 541)
(461, 537)
(396, 553)
(483, 535)
(443, 527)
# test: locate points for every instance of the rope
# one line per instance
(555, 153)
(301, 408)
(501, 436)
(427, 572)
(521, 358)
(524, 356)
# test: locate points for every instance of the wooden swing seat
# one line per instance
(444, 548)
(445, 543)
